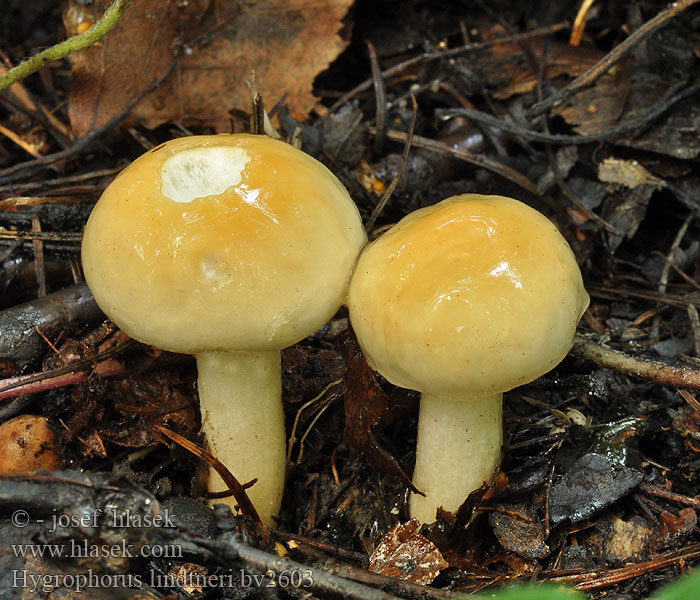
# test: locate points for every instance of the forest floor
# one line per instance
(591, 117)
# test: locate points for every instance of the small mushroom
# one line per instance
(27, 444)
(462, 301)
(230, 248)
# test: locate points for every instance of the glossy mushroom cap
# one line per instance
(224, 242)
(474, 295)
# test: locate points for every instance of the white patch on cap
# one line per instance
(201, 172)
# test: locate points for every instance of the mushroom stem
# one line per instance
(458, 449)
(240, 398)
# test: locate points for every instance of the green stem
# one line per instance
(240, 398)
(101, 28)
(458, 449)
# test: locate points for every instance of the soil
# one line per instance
(600, 480)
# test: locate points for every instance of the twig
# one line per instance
(324, 584)
(380, 98)
(476, 159)
(234, 486)
(58, 181)
(428, 56)
(604, 65)
(42, 236)
(580, 22)
(399, 172)
(669, 300)
(101, 28)
(68, 310)
(663, 280)
(694, 326)
(666, 495)
(636, 127)
(662, 373)
(39, 267)
(688, 279)
(56, 378)
(597, 579)
(17, 139)
(293, 436)
(14, 408)
(67, 375)
(318, 415)
(316, 547)
(575, 200)
(11, 173)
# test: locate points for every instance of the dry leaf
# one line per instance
(365, 404)
(626, 172)
(518, 529)
(206, 51)
(507, 68)
(403, 553)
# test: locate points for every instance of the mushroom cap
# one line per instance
(472, 296)
(223, 242)
(27, 444)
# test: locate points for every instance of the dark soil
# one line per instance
(600, 482)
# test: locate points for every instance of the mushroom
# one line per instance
(230, 248)
(27, 444)
(462, 301)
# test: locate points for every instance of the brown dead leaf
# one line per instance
(518, 528)
(508, 68)
(625, 211)
(205, 50)
(365, 404)
(403, 553)
(623, 99)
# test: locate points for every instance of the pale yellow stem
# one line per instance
(458, 449)
(240, 399)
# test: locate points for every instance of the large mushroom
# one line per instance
(230, 248)
(462, 301)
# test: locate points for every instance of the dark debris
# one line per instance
(600, 482)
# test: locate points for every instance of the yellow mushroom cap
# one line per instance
(474, 295)
(223, 242)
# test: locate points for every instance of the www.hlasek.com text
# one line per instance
(85, 549)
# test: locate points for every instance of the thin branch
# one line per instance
(656, 371)
(101, 28)
(234, 486)
(634, 128)
(594, 580)
(429, 56)
(42, 236)
(399, 172)
(50, 380)
(655, 490)
(476, 159)
(380, 98)
(11, 174)
(614, 56)
(66, 375)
